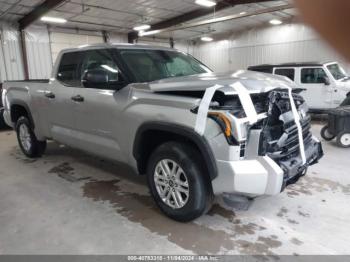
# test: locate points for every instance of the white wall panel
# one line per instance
(118, 38)
(279, 44)
(11, 65)
(61, 41)
(150, 41)
(38, 52)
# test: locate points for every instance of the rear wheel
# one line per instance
(2, 120)
(27, 140)
(343, 139)
(178, 182)
(326, 135)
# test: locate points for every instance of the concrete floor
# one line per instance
(71, 203)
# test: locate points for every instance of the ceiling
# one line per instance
(121, 16)
(13, 10)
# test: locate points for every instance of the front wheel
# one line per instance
(177, 181)
(27, 140)
(343, 139)
(326, 135)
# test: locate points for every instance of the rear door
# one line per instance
(61, 109)
(318, 95)
(285, 71)
(98, 111)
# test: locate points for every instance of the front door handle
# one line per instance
(78, 98)
(50, 95)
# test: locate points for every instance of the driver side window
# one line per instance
(101, 59)
(313, 75)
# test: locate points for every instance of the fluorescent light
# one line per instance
(275, 22)
(242, 13)
(206, 3)
(207, 39)
(110, 69)
(141, 27)
(153, 32)
(53, 20)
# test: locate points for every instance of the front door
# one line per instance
(318, 93)
(98, 110)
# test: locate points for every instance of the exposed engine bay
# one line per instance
(279, 138)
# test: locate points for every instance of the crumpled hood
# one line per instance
(255, 82)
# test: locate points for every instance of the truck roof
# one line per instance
(300, 64)
(117, 46)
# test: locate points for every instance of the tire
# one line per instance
(2, 121)
(326, 135)
(27, 140)
(184, 159)
(343, 139)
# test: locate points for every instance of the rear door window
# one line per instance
(68, 69)
(288, 72)
(315, 75)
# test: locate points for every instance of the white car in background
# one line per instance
(326, 84)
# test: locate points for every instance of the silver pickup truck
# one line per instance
(194, 133)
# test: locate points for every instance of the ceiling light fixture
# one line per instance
(153, 32)
(242, 13)
(206, 3)
(206, 39)
(275, 22)
(142, 27)
(53, 20)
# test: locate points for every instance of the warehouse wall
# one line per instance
(42, 46)
(117, 38)
(71, 39)
(11, 65)
(38, 52)
(273, 44)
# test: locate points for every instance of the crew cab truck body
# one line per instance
(325, 85)
(140, 105)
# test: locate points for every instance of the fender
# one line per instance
(18, 102)
(186, 132)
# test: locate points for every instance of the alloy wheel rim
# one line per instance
(345, 139)
(171, 183)
(24, 137)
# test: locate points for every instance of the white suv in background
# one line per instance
(326, 84)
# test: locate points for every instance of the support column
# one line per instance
(24, 54)
(105, 36)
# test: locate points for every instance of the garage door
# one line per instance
(61, 41)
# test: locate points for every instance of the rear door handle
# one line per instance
(78, 98)
(50, 95)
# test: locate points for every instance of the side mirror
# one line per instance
(100, 79)
(326, 81)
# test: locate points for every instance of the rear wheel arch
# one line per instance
(18, 109)
(152, 134)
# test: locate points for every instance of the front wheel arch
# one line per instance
(152, 134)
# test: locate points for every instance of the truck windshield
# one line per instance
(151, 65)
(337, 71)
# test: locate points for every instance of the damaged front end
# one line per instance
(269, 147)
(279, 136)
